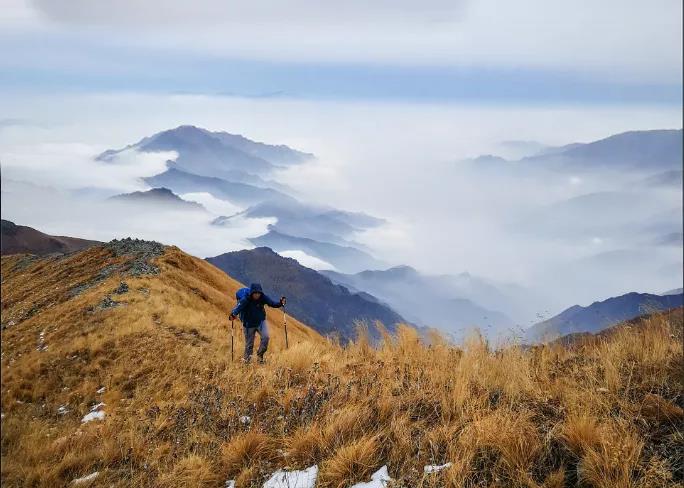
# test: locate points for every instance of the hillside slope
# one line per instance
(602, 314)
(313, 298)
(22, 239)
(578, 339)
(149, 365)
(133, 317)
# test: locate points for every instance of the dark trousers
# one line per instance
(250, 333)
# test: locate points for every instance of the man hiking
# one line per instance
(253, 316)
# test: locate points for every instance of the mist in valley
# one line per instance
(561, 236)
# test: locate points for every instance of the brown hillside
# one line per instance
(17, 239)
(605, 413)
(70, 327)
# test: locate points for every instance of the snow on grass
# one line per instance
(293, 479)
(93, 416)
(230, 484)
(62, 410)
(245, 420)
(85, 479)
(95, 413)
(379, 479)
(100, 391)
(434, 468)
(41, 347)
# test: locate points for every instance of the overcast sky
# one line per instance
(485, 51)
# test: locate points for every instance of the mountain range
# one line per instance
(238, 170)
(342, 257)
(602, 314)
(295, 218)
(158, 198)
(447, 303)
(219, 154)
(650, 150)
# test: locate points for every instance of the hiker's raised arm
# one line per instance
(272, 303)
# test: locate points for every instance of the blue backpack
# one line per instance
(241, 294)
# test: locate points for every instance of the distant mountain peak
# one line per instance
(160, 196)
(20, 239)
(489, 158)
(404, 268)
(216, 153)
(654, 149)
(602, 314)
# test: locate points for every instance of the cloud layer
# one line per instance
(610, 40)
(394, 161)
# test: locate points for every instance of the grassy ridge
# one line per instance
(603, 413)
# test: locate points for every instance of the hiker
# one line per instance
(251, 311)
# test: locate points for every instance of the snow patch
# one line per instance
(379, 479)
(434, 468)
(93, 416)
(230, 484)
(100, 391)
(293, 479)
(41, 346)
(62, 410)
(245, 420)
(85, 479)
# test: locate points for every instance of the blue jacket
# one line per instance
(251, 312)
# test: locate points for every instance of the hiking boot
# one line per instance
(261, 359)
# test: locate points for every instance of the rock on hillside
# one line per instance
(20, 239)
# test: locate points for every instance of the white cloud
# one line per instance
(71, 165)
(212, 204)
(57, 212)
(307, 260)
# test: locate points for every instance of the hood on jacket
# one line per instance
(254, 287)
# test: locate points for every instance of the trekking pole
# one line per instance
(232, 356)
(287, 344)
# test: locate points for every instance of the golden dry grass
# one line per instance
(603, 412)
